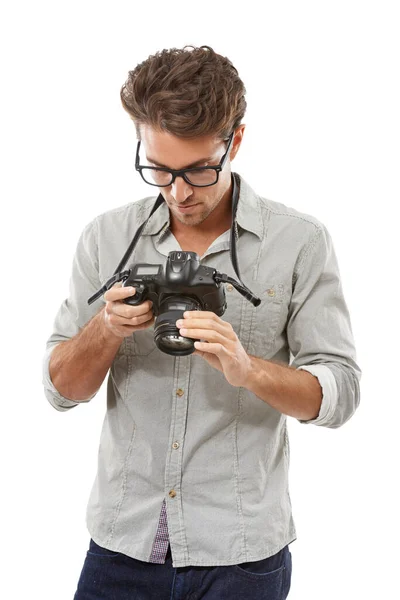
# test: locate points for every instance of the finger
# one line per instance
(133, 328)
(222, 327)
(204, 334)
(127, 311)
(136, 319)
(210, 348)
(202, 314)
(118, 292)
(193, 313)
(147, 323)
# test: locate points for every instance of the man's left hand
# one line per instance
(221, 347)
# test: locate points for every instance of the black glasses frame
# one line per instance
(182, 172)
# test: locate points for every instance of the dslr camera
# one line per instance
(179, 285)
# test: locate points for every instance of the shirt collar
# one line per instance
(248, 215)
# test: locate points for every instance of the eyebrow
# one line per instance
(194, 164)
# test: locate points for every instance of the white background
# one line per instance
(322, 136)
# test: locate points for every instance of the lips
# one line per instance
(185, 208)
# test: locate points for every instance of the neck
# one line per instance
(218, 221)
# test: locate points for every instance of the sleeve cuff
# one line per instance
(58, 401)
(329, 393)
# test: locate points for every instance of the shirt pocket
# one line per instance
(267, 318)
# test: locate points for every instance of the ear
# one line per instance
(237, 140)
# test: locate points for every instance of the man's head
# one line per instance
(185, 104)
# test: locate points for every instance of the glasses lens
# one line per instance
(202, 177)
(164, 178)
(155, 177)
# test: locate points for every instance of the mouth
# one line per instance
(186, 208)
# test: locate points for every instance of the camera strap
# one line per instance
(160, 199)
(137, 235)
(157, 204)
(232, 245)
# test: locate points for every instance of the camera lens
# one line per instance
(166, 334)
(177, 344)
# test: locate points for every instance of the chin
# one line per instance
(190, 220)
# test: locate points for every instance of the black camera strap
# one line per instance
(118, 273)
(232, 245)
(160, 200)
(232, 249)
(137, 235)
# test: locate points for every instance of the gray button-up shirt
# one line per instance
(174, 428)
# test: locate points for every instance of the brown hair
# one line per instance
(188, 93)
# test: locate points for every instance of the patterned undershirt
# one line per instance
(161, 541)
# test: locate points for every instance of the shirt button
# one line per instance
(175, 445)
(180, 392)
(172, 494)
(229, 287)
(271, 292)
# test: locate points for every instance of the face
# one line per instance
(190, 205)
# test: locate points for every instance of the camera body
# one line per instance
(181, 284)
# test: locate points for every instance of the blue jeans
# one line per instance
(108, 575)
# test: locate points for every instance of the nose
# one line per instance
(180, 190)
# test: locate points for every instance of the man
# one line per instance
(191, 496)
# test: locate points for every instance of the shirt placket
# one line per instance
(173, 500)
(173, 470)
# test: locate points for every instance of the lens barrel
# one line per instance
(166, 334)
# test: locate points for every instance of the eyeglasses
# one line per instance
(197, 176)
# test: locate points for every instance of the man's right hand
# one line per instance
(122, 319)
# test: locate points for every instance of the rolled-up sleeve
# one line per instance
(319, 331)
(74, 311)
